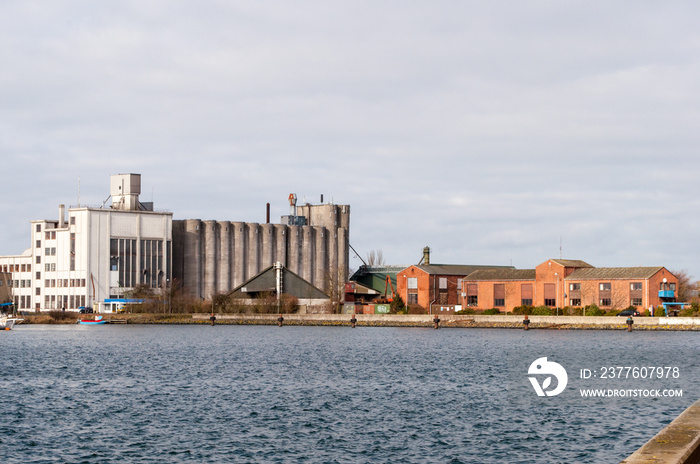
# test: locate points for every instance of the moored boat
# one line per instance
(95, 321)
(6, 323)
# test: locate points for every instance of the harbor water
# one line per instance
(264, 394)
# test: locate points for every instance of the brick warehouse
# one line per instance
(435, 286)
(558, 283)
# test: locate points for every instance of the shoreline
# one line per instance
(393, 320)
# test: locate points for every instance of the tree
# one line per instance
(685, 285)
(375, 258)
(397, 305)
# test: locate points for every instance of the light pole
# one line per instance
(556, 295)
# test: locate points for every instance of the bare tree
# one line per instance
(375, 258)
(685, 284)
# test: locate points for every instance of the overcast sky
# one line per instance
(490, 131)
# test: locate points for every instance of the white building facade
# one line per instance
(95, 254)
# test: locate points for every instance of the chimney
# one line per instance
(61, 216)
(267, 220)
(426, 255)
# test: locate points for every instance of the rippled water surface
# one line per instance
(175, 394)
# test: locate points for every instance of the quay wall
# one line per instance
(678, 443)
(452, 320)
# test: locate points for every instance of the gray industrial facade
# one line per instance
(214, 257)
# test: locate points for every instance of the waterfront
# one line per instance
(322, 394)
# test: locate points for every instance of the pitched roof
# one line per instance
(455, 269)
(501, 274)
(571, 263)
(597, 273)
(266, 281)
(374, 277)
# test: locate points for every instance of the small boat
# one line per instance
(6, 323)
(96, 321)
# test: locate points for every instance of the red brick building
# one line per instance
(559, 282)
(434, 285)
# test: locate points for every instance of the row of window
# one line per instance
(64, 283)
(51, 302)
(16, 268)
(473, 300)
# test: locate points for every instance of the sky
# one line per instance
(502, 133)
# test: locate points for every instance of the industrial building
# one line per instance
(214, 257)
(435, 287)
(559, 283)
(100, 253)
(96, 253)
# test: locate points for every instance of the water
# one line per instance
(225, 394)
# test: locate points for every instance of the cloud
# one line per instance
(489, 131)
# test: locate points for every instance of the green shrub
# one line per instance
(523, 310)
(542, 311)
(492, 311)
(659, 311)
(572, 311)
(466, 311)
(687, 311)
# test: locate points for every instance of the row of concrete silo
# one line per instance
(211, 257)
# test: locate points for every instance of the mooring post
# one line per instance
(280, 320)
(526, 323)
(353, 321)
(436, 320)
(630, 321)
(212, 319)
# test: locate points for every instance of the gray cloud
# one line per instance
(489, 131)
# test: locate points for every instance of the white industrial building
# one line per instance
(94, 254)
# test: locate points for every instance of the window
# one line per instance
(636, 286)
(47, 235)
(636, 302)
(605, 286)
(38, 259)
(412, 283)
(72, 220)
(38, 291)
(38, 243)
(47, 267)
(672, 286)
(605, 301)
(38, 227)
(472, 300)
(575, 287)
(413, 298)
(526, 302)
(38, 275)
(499, 294)
(443, 283)
(575, 302)
(550, 301)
